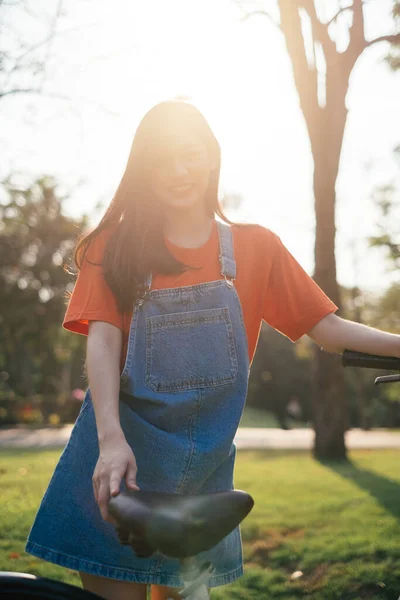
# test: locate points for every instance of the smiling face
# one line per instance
(181, 167)
(175, 152)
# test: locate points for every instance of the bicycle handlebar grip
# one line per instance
(350, 358)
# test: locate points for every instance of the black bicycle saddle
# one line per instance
(176, 525)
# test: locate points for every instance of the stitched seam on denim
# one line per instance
(169, 579)
(149, 359)
(171, 323)
(192, 386)
(177, 290)
(189, 460)
(214, 581)
(132, 331)
(187, 385)
(231, 339)
(226, 578)
(239, 304)
(84, 407)
(226, 250)
(166, 320)
(159, 579)
(240, 543)
(80, 559)
(193, 448)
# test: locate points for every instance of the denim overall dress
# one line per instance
(183, 390)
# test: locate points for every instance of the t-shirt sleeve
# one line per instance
(92, 299)
(293, 302)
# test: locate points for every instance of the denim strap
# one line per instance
(226, 257)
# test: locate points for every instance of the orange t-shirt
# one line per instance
(270, 283)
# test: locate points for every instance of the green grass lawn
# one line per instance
(337, 524)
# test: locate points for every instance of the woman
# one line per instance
(172, 301)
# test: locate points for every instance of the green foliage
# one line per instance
(387, 200)
(387, 310)
(36, 241)
(281, 372)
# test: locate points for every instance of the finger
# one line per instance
(130, 477)
(111, 519)
(95, 488)
(115, 482)
(103, 498)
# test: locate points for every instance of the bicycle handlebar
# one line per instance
(350, 358)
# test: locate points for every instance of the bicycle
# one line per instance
(373, 361)
(175, 525)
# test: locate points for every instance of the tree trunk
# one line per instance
(331, 414)
(325, 126)
(329, 408)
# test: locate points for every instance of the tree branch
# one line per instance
(60, 97)
(358, 17)
(393, 39)
(255, 13)
(305, 77)
(320, 32)
(357, 39)
(53, 30)
(339, 12)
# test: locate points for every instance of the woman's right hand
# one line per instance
(116, 460)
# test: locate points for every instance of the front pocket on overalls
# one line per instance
(190, 350)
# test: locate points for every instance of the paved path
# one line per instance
(246, 438)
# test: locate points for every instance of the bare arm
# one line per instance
(102, 358)
(335, 334)
(116, 459)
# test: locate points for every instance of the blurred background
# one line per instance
(303, 96)
(304, 99)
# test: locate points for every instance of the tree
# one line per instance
(26, 67)
(387, 199)
(387, 311)
(287, 377)
(19, 59)
(321, 78)
(36, 239)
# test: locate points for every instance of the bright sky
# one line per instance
(126, 56)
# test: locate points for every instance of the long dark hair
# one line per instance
(136, 243)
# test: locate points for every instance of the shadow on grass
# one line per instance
(385, 490)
